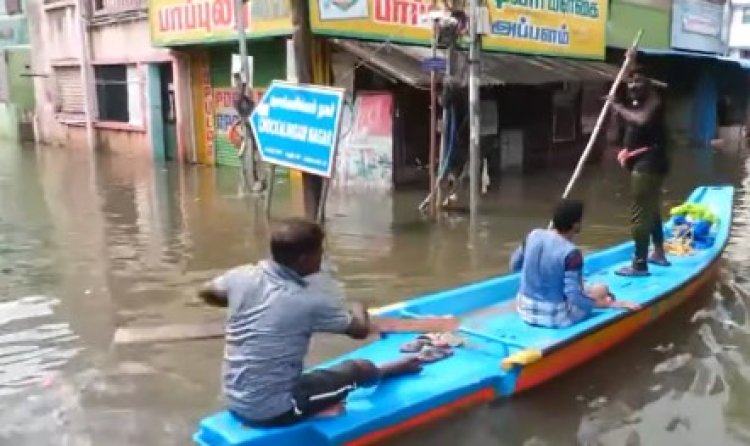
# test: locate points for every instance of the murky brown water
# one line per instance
(86, 246)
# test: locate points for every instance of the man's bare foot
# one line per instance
(403, 366)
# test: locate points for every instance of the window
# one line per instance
(746, 16)
(118, 93)
(13, 7)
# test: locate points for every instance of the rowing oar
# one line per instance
(600, 120)
(209, 330)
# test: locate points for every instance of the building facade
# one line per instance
(739, 29)
(16, 86)
(100, 76)
(207, 43)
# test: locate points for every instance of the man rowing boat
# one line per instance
(644, 156)
(273, 310)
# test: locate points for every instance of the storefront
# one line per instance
(537, 111)
(208, 43)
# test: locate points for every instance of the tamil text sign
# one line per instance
(573, 28)
(387, 20)
(297, 126)
(177, 22)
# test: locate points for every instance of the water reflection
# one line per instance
(87, 245)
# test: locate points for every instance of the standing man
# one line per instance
(644, 155)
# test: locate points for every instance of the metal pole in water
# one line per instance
(433, 119)
(444, 136)
(249, 150)
(474, 56)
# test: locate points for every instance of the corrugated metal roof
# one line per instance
(403, 63)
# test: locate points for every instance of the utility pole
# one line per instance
(247, 135)
(433, 118)
(312, 185)
(474, 60)
(445, 136)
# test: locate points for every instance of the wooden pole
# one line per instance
(312, 185)
(247, 152)
(269, 191)
(600, 120)
(444, 136)
(323, 199)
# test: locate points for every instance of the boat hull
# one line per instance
(502, 357)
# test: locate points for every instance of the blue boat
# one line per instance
(502, 355)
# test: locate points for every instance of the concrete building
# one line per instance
(101, 82)
(739, 29)
(16, 89)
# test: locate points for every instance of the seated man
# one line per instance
(551, 293)
(273, 309)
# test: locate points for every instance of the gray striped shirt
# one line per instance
(272, 314)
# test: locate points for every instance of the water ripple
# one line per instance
(32, 344)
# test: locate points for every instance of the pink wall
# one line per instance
(55, 40)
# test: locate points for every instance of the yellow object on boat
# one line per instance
(523, 357)
(695, 211)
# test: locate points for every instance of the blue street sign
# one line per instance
(434, 64)
(297, 126)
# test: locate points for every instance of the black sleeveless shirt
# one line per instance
(652, 134)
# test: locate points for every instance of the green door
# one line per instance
(169, 110)
(156, 112)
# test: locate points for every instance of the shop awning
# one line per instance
(404, 63)
(742, 63)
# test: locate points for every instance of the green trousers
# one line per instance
(645, 217)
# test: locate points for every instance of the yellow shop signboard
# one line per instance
(572, 28)
(383, 20)
(181, 22)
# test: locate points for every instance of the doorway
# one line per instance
(163, 111)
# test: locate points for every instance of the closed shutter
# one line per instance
(69, 89)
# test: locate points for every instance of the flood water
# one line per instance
(89, 245)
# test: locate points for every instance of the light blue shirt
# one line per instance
(272, 314)
(551, 280)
